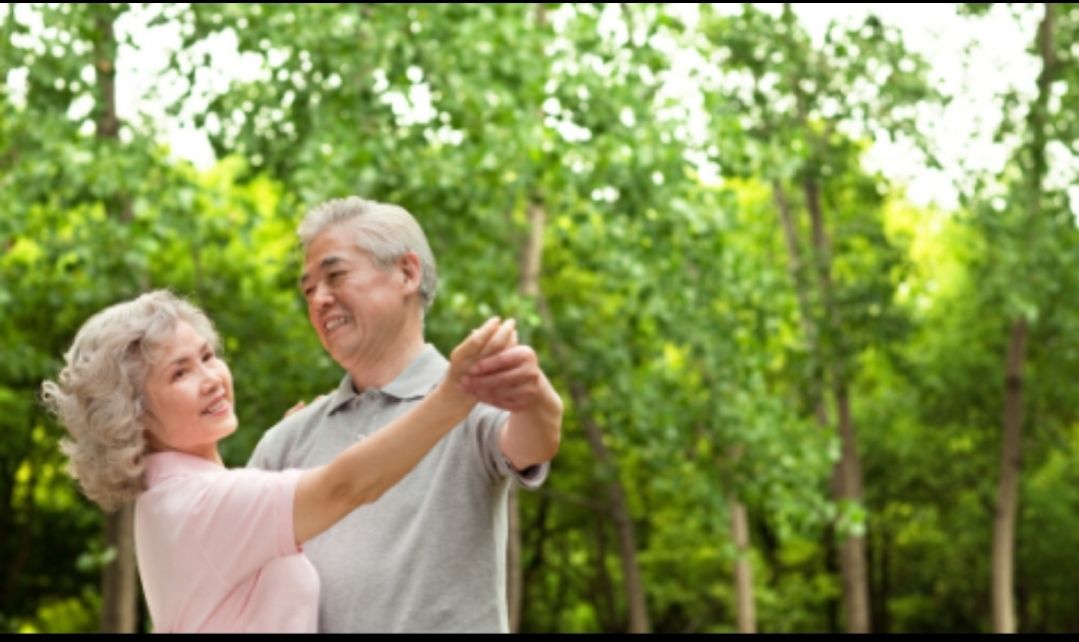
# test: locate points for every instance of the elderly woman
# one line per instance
(146, 399)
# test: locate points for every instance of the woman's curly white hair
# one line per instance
(99, 395)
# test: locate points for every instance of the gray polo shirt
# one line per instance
(430, 554)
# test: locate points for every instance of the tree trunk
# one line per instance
(616, 497)
(530, 271)
(119, 578)
(743, 571)
(627, 540)
(796, 268)
(532, 256)
(1008, 487)
(531, 266)
(852, 556)
(846, 483)
(1007, 503)
(847, 477)
(537, 564)
(880, 579)
(108, 123)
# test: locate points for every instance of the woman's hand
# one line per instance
(300, 405)
(492, 337)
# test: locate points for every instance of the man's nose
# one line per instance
(322, 296)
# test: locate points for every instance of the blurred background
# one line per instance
(805, 276)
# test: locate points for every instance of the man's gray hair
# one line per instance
(386, 232)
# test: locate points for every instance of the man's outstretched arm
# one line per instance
(513, 380)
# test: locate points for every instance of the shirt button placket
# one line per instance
(364, 400)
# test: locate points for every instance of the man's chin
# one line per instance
(337, 349)
(327, 346)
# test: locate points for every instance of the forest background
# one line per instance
(806, 282)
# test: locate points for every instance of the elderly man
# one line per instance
(430, 554)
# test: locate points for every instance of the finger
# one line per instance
(522, 378)
(297, 407)
(498, 390)
(501, 339)
(513, 373)
(507, 359)
(474, 343)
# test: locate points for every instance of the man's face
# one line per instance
(357, 308)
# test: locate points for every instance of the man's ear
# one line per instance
(411, 271)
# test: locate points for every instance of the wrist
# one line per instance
(449, 396)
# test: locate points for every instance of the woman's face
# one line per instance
(189, 391)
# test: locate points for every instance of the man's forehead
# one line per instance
(323, 264)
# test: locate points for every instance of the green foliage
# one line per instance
(668, 317)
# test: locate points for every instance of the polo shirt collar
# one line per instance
(415, 381)
(421, 376)
(343, 394)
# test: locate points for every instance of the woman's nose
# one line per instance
(211, 380)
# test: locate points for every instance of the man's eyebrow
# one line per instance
(322, 265)
(328, 261)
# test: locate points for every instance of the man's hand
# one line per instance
(489, 339)
(511, 380)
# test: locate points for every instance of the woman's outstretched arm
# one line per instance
(361, 473)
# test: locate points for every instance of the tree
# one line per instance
(797, 102)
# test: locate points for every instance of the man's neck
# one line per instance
(383, 368)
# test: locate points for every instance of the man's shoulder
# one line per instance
(283, 436)
(309, 415)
